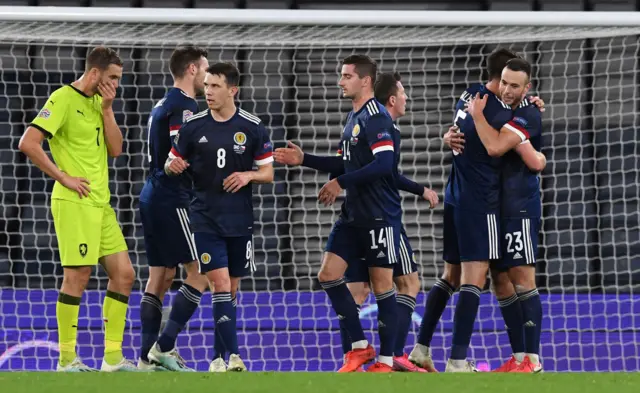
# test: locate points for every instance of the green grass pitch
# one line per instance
(18, 382)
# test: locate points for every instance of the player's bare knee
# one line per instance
(408, 284)
(381, 279)
(502, 286)
(75, 280)
(155, 282)
(198, 281)
(359, 290)
(220, 279)
(474, 273)
(126, 277)
(333, 267)
(452, 274)
(192, 268)
(523, 278)
(169, 275)
(327, 273)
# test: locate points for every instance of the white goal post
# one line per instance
(586, 66)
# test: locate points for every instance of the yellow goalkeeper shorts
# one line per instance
(85, 232)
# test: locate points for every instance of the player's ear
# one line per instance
(234, 91)
(94, 73)
(392, 100)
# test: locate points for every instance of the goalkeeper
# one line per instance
(79, 123)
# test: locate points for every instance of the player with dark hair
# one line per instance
(368, 230)
(518, 142)
(80, 125)
(164, 211)
(471, 224)
(444, 287)
(389, 90)
(219, 147)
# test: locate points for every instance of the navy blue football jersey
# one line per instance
(520, 185)
(165, 120)
(214, 151)
(366, 133)
(474, 181)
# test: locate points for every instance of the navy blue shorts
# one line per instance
(168, 240)
(470, 236)
(217, 252)
(377, 247)
(358, 271)
(519, 242)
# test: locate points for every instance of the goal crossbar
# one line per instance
(317, 17)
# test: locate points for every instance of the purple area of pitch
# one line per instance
(297, 331)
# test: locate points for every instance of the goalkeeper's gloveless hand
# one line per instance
(108, 92)
(77, 184)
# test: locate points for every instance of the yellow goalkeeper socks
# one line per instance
(67, 309)
(115, 313)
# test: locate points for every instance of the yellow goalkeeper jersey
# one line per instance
(73, 124)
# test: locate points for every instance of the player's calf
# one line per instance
(472, 279)
(523, 278)
(407, 286)
(67, 310)
(360, 292)
(121, 277)
(160, 279)
(184, 305)
(436, 302)
(223, 312)
(512, 315)
(382, 283)
(332, 281)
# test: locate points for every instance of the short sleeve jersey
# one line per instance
(520, 185)
(165, 120)
(474, 181)
(368, 132)
(215, 150)
(73, 124)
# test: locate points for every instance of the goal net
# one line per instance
(589, 252)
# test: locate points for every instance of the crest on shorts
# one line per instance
(413, 256)
(205, 258)
(240, 138)
(83, 248)
(44, 113)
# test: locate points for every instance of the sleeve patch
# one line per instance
(520, 121)
(44, 113)
(186, 115)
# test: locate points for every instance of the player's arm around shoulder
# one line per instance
(497, 142)
(531, 120)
